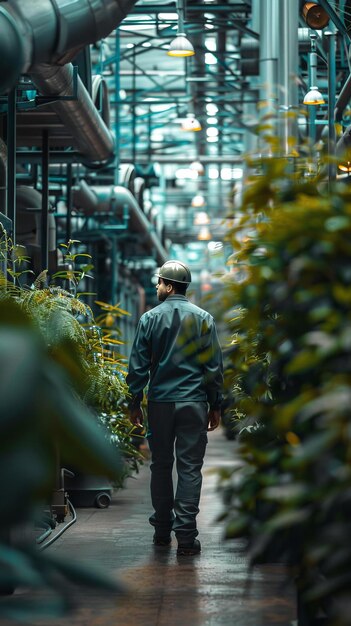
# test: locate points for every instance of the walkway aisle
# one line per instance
(206, 590)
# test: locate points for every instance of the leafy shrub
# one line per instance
(291, 358)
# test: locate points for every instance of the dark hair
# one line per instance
(178, 287)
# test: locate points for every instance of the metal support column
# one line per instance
(117, 105)
(44, 248)
(113, 295)
(133, 111)
(269, 53)
(287, 74)
(11, 161)
(330, 35)
(69, 203)
(312, 82)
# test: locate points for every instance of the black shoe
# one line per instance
(189, 549)
(162, 541)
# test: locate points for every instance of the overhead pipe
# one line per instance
(80, 116)
(40, 38)
(52, 31)
(114, 199)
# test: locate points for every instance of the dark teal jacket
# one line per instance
(177, 353)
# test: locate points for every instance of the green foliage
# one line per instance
(39, 415)
(62, 390)
(76, 341)
(291, 364)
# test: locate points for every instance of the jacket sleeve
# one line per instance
(139, 365)
(213, 366)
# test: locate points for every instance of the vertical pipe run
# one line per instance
(117, 105)
(11, 163)
(330, 35)
(3, 177)
(269, 53)
(133, 111)
(44, 248)
(287, 73)
(113, 295)
(250, 108)
(69, 199)
(312, 78)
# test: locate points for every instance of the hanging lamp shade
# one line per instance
(314, 15)
(198, 201)
(181, 47)
(204, 234)
(197, 166)
(313, 97)
(190, 123)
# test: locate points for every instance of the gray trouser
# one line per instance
(185, 425)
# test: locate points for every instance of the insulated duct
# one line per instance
(52, 31)
(29, 207)
(80, 117)
(40, 38)
(107, 199)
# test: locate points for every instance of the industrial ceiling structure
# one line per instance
(112, 136)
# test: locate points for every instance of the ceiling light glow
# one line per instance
(212, 131)
(213, 173)
(185, 172)
(210, 58)
(211, 44)
(201, 218)
(237, 173)
(198, 201)
(211, 109)
(168, 17)
(212, 120)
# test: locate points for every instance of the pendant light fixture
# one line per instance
(191, 123)
(181, 46)
(314, 15)
(313, 97)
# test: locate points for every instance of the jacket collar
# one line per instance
(176, 296)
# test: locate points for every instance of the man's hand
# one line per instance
(214, 418)
(136, 416)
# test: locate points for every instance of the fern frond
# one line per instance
(41, 280)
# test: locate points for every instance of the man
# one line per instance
(176, 351)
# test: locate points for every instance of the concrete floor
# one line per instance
(210, 589)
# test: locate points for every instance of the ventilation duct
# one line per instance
(114, 200)
(40, 38)
(80, 117)
(28, 225)
(52, 31)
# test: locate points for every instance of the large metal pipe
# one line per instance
(52, 31)
(288, 72)
(269, 53)
(80, 116)
(117, 198)
(39, 33)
